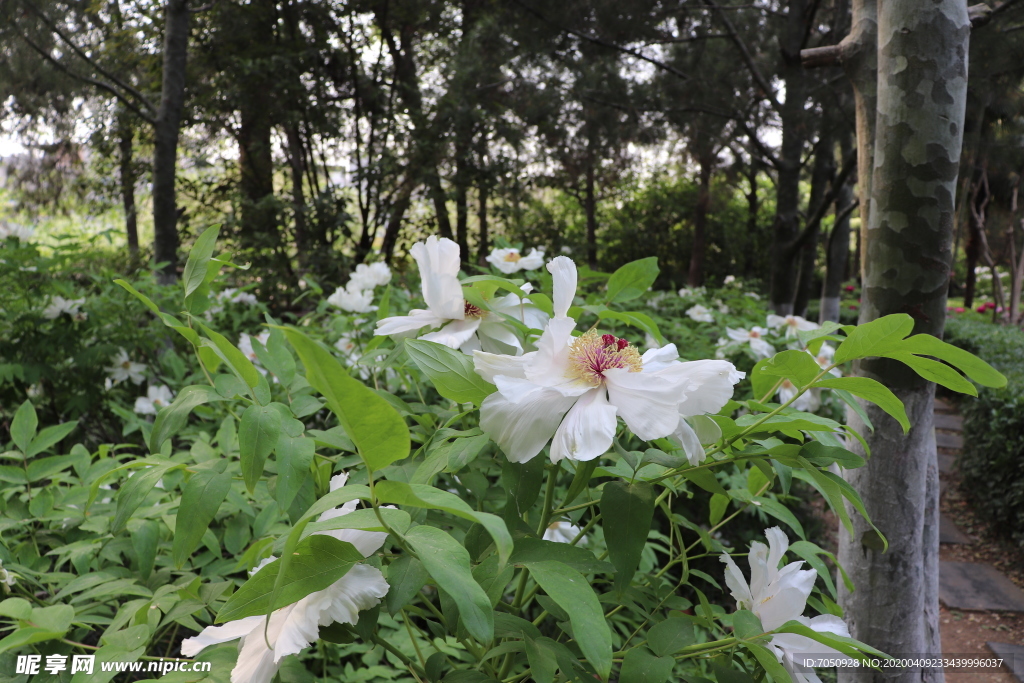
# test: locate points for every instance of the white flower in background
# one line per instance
(566, 250)
(293, 628)
(808, 402)
(780, 595)
(755, 336)
(352, 299)
(245, 346)
(368, 276)
(511, 261)
(700, 314)
(729, 280)
(792, 323)
(7, 577)
(464, 326)
(59, 305)
(753, 295)
(22, 232)
(155, 399)
(572, 389)
(125, 369)
(563, 532)
(722, 308)
(35, 390)
(348, 347)
(650, 342)
(232, 296)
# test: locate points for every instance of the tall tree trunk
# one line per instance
(700, 220)
(461, 202)
(165, 143)
(838, 248)
(794, 134)
(590, 208)
(297, 163)
(973, 247)
(481, 217)
(126, 140)
(398, 209)
(821, 176)
(753, 208)
(907, 248)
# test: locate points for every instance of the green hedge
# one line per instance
(992, 463)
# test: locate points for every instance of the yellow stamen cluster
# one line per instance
(512, 256)
(471, 311)
(592, 353)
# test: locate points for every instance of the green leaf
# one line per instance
(530, 549)
(134, 491)
(632, 280)
(627, 511)
(848, 646)
(145, 541)
(16, 608)
(797, 366)
(173, 417)
(972, 366)
(201, 499)
(573, 593)
(378, 431)
(809, 552)
(199, 260)
(316, 562)
(447, 561)
(450, 371)
(258, 433)
(705, 479)
(424, 496)
(580, 480)
(670, 636)
(766, 658)
(139, 295)
(935, 371)
(406, 576)
(294, 456)
(23, 426)
(540, 653)
(230, 354)
(640, 666)
(781, 513)
(875, 338)
(746, 624)
(49, 437)
(641, 321)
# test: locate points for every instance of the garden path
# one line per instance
(980, 577)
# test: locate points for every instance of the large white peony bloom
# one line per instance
(700, 314)
(511, 261)
(156, 397)
(295, 627)
(792, 323)
(574, 388)
(124, 368)
(779, 595)
(563, 532)
(352, 299)
(58, 305)
(755, 336)
(368, 276)
(463, 325)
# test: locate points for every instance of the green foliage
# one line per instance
(991, 466)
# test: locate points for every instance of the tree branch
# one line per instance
(762, 82)
(603, 43)
(148, 118)
(121, 84)
(849, 164)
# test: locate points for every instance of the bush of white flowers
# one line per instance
(490, 480)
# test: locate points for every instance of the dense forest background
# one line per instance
(325, 133)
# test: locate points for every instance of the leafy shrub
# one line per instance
(992, 464)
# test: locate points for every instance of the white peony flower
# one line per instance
(511, 261)
(348, 347)
(563, 532)
(59, 305)
(729, 279)
(792, 323)
(123, 368)
(22, 232)
(156, 398)
(752, 295)
(463, 325)
(572, 389)
(368, 276)
(780, 595)
(7, 577)
(352, 299)
(295, 627)
(700, 314)
(755, 336)
(810, 401)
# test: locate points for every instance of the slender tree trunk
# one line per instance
(700, 219)
(461, 204)
(131, 223)
(821, 176)
(398, 209)
(297, 163)
(165, 144)
(753, 208)
(907, 248)
(837, 249)
(794, 135)
(481, 217)
(590, 208)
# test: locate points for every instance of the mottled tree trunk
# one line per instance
(126, 146)
(165, 143)
(922, 91)
(700, 220)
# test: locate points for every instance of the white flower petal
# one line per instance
(687, 438)
(214, 635)
(533, 261)
(737, 583)
(563, 273)
(647, 401)
(660, 358)
(521, 417)
(454, 334)
(551, 362)
(587, 430)
(487, 365)
(438, 260)
(255, 660)
(417, 319)
(498, 337)
(714, 380)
